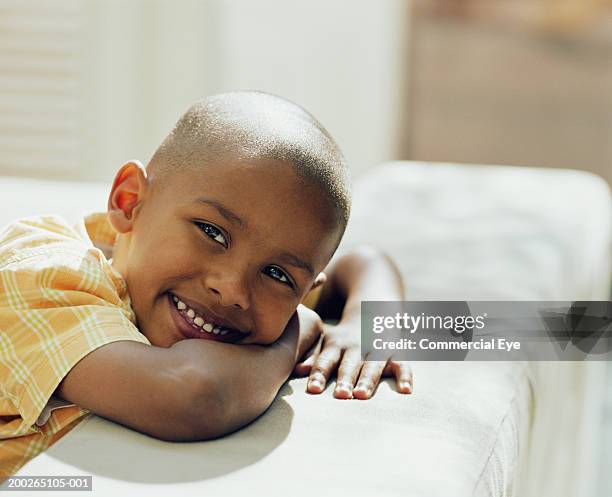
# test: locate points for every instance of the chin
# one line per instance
(158, 340)
(266, 341)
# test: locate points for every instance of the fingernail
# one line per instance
(316, 382)
(363, 388)
(344, 388)
(405, 385)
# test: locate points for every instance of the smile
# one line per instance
(196, 320)
(194, 324)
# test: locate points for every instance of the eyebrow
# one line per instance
(228, 214)
(232, 217)
(296, 261)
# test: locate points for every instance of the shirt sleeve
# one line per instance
(53, 404)
(55, 308)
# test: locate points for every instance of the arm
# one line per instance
(365, 273)
(134, 384)
(191, 391)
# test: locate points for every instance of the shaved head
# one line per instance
(254, 125)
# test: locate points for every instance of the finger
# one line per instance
(303, 367)
(314, 350)
(347, 374)
(368, 379)
(403, 375)
(322, 369)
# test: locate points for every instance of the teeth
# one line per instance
(199, 320)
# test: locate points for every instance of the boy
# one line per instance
(218, 241)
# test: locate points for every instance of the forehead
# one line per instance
(263, 199)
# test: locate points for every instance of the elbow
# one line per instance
(197, 412)
(373, 260)
(371, 254)
(206, 415)
(217, 409)
(368, 254)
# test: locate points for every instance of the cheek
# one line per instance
(155, 267)
(271, 320)
(165, 257)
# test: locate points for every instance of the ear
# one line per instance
(127, 195)
(319, 280)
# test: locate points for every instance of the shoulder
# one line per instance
(45, 252)
(26, 235)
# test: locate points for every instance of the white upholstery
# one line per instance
(485, 429)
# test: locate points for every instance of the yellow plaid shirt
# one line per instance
(60, 299)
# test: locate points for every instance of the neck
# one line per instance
(120, 253)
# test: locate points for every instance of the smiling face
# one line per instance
(225, 252)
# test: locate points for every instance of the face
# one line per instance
(224, 253)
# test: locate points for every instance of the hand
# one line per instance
(339, 348)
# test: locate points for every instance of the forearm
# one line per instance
(361, 274)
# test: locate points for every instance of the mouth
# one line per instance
(194, 323)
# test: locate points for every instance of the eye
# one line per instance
(278, 274)
(213, 232)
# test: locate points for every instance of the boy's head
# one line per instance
(232, 222)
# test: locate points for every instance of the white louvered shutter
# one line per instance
(41, 52)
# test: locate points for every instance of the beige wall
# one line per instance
(491, 92)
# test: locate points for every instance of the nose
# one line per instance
(229, 287)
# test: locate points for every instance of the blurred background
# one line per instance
(525, 82)
(87, 85)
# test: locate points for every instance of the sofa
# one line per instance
(457, 232)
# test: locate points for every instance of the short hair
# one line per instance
(250, 124)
